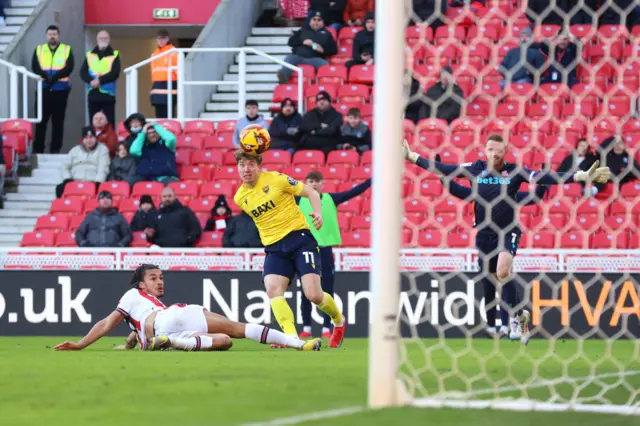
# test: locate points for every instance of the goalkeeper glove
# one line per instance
(408, 154)
(595, 174)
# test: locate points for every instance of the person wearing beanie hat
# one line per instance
(146, 217)
(220, 215)
(310, 45)
(523, 64)
(320, 127)
(363, 43)
(134, 124)
(285, 127)
(104, 227)
(88, 161)
(355, 11)
(445, 98)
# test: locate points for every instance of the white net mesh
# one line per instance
(558, 80)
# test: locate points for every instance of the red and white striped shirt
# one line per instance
(136, 306)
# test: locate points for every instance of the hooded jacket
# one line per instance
(623, 167)
(103, 229)
(95, 95)
(324, 139)
(177, 226)
(212, 222)
(363, 42)
(127, 125)
(241, 233)
(142, 220)
(82, 164)
(244, 122)
(513, 67)
(280, 139)
(321, 37)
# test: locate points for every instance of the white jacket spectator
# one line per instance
(88, 161)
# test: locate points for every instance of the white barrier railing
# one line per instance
(14, 100)
(445, 260)
(132, 87)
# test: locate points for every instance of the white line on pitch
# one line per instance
(320, 415)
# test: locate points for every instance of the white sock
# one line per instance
(306, 329)
(266, 336)
(195, 343)
(326, 330)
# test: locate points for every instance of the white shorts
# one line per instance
(178, 321)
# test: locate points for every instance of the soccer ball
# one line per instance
(255, 139)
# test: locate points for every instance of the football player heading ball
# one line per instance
(255, 139)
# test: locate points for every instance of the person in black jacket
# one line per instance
(146, 217)
(310, 45)
(123, 166)
(102, 88)
(104, 227)
(431, 12)
(613, 154)
(285, 127)
(582, 158)
(177, 225)
(332, 10)
(320, 127)
(134, 125)
(363, 43)
(241, 233)
(444, 98)
(562, 56)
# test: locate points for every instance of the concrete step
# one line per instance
(22, 213)
(15, 230)
(20, 11)
(233, 97)
(5, 39)
(13, 222)
(274, 50)
(16, 20)
(42, 196)
(48, 158)
(26, 205)
(267, 41)
(254, 78)
(272, 31)
(27, 190)
(219, 116)
(24, 3)
(3, 47)
(233, 106)
(251, 87)
(37, 181)
(255, 59)
(257, 68)
(53, 174)
(10, 240)
(12, 29)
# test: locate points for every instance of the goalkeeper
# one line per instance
(496, 185)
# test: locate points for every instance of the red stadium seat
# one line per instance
(76, 221)
(356, 93)
(446, 34)
(416, 205)
(226, 126)
(210, 239)
(226, 173)
(333, 173)
(91, 205)
(356, 239)
(574, 239)
(460, 240)
(52, 223)
(430, 188)
(604, 240)
(183, 157)
(275, 156)
(363, 74)
(332, 74)
(308, 74)
(195, 174)
(299, 172)
(68, 206)
(193, 142)
(80, 189)
(346, 158)
(119, 189)
(185, 189)
(153, 189)
(66, 239)
(283, 91)
(38, 239)
(228, 158)
(309, 157)
(358, 223)
(361, 173)
(220, 142)
(418, 34)
(630, 190)
(613, 32)
(207, 158)
(353, 206)
(345, 53)
(140, 240)
(583, 32)
(430, 238)
(171, 125)
(588, 222)
(199, 127)
(202, 205)
(347, 34)
(23, 132)
(540, 240)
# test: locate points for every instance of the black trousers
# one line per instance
(109, 109)
(54, 107)
(162, 111)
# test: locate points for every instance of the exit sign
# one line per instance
(166, 13)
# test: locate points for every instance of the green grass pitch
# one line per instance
(252, 383)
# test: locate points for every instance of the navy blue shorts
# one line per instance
(297, 253)
(490, 246)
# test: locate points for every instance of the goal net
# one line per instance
(558, 80)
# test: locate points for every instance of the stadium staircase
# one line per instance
(261, 75)
(17, 11)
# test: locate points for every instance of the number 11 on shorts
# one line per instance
(308, 257)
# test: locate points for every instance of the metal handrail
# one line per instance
(131, 74)
(14, 72)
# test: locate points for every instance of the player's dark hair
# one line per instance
(314, 176)
(140, 273)
(495, 138)
(53, 28)
(241, 155)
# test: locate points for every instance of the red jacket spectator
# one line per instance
(105, 132)
(356, 9)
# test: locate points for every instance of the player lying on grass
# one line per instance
(495, 185)
(184, 327)
(515, 329)
(269, 198)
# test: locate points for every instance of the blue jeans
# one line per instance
(299, 60)
(522, 80)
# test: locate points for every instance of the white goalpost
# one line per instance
(427, 342)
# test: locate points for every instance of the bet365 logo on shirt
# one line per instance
(493, 180)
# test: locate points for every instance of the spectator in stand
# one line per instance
(416, 94)
(431, 12)
(562, 54)
(160, 75)
(52, 61)
(3, 171)
(146, 217)
(177, 225)
(123, 166)
(88, 161)
(320, 127)
(363, 43)
(615, 12)
(104, 227)
(582, 158)
(285, 127)
(356, 10)
(332, 10)
(613, 154)
(220, 215)
(310, 45)
(134, 124)
(105, 132)
(241, 233)
(155, 151)
(523, 63)
(445, 98)
(355, 134)
(253, 117)
(100, 70)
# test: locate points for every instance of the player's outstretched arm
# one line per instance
(594, 174)
(525, 199)
(316, 204)
(98, 331)
(455, 189)
(452, 170)
(130, 342)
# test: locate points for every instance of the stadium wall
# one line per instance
(580, 305)
(109, 12)
(69, 16)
